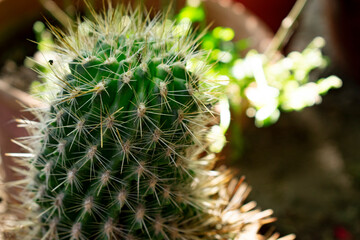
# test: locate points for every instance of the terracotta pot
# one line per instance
(12, 103)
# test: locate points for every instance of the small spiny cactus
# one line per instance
(120, 150)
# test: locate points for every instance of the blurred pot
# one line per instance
(12, 103)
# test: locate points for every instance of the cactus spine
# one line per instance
(120, 152)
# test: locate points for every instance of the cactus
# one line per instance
(120, 149)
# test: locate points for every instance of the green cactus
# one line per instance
(121, 151)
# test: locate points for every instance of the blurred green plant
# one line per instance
(259, 86)
(283, 84)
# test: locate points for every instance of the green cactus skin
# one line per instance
(122, 144)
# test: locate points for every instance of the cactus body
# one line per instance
(120, 151)
(115, 160)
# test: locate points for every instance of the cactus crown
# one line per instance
(120, 151)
